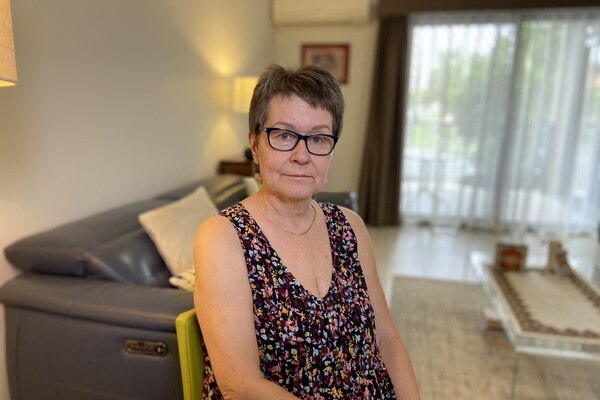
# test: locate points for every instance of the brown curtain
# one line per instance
(379, 190)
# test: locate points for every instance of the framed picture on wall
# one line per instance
(333, 58)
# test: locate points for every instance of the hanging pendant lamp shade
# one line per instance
(8, 67)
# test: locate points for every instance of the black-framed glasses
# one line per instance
(281, 139)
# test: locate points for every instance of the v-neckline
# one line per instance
(292, 278)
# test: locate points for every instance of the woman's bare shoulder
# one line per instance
(216, 234)
(218, 257)
(216, 240)
(356, 222)
(361, 232)
(215, 224)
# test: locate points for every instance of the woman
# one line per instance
(287, 293)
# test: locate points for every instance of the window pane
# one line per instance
(503, 119)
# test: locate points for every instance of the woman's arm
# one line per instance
(223, 302)
(393, 351)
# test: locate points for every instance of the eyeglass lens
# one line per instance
(284, 140)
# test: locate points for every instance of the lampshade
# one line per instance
(243, 87)
(8, 67)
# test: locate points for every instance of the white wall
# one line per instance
(118, 100)
(345, 169)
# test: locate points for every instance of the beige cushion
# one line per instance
(172, 228)
(252, 185)
(184, 280)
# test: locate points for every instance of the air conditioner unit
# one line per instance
(320, 12)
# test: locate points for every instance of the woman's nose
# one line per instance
(300, 152)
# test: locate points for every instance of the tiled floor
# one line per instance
(442, 253)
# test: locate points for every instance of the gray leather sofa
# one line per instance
(92, 315)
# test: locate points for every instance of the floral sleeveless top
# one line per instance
(315, 348)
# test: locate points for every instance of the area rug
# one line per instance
(456, 358)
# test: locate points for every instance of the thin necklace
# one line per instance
(262, 201)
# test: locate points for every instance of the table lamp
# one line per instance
(8, 67)
(243, 88)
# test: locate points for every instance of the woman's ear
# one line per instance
(253, 145)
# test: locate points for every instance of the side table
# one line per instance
(238, 167)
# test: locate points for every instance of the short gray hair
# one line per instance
(312, 84)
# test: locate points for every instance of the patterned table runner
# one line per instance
(550, 304)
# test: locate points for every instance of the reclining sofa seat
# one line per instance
(92, 315)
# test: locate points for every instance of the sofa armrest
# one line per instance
(344, 199)
(76, 339)
(102, 301)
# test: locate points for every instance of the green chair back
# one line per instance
(191, 355)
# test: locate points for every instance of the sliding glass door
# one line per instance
(503, 120)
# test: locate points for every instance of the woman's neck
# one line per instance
(295, 217)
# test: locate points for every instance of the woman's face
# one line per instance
(295, 174)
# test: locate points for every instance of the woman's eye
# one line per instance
(283, 135)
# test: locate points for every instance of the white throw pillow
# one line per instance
(185, 280)
(252, 185)
(172, 228)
